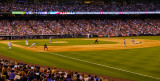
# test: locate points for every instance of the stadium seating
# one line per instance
(95, 6)
(13, 71)
(96, 27)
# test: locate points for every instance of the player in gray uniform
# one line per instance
(108, 36)
(88, 36)
(34, 44)
(26, 42)
(50, 40)
(9, 45)
(137, 42)
(124, 42)
(132, 41)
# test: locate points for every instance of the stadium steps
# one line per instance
(50, 29)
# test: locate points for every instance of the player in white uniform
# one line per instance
(50, 40)
(88, 36)
(108, 36)
(132, 40)
(27, 42)
(9, 45)
(124, 42)
(34, 44)
(137, 42)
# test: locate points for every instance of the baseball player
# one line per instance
(50, 40)
(132, 40)
(34, 44)
(45, 46)
(137, 42)
(9, 45)
(124, 42)
(88, 36)
(26, 42)
(96, 41)
(108, 36)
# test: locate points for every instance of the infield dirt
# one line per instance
(120, 45)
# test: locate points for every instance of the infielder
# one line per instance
(34, 44)
(9, 45)
(50, 40)
(26, 42)
(137, 42)
(132, 40)
(108, 36)
(88, 36)
(124, 42)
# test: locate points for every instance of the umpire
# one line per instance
(45, 46)
(96, 41)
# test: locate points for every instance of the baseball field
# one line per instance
(138, 62)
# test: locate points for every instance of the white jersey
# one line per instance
(88, 35)
(26, 42)
(50, 39)
(132, 40)
(9, 44)
(108, 36)
(137, 42)
(34, 44)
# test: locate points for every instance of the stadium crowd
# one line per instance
(96, 27)
(6, 28)
(94, 6)
(14, 71)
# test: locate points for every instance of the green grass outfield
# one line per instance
(145, 61)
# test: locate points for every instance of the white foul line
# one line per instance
(105, 66)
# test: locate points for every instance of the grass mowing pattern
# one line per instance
(142, 60)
